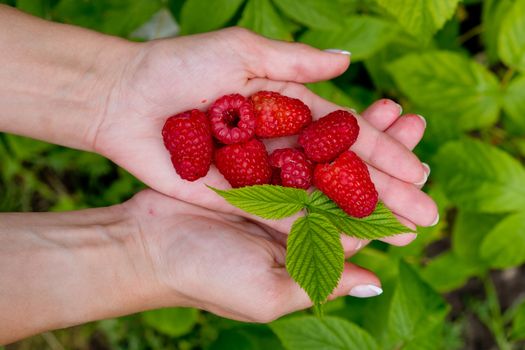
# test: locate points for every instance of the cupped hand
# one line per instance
(164, 77)
(223, 263)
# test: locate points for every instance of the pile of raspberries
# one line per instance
(229, 134)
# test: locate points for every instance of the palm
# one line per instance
(176, 75)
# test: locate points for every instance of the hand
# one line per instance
(169, 76)
(224, 263)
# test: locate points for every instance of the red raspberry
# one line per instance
(347, 182)
(244, 164)
(187, 136)
(232, 119)
(328, 137)
(279, 115)
(291, 168)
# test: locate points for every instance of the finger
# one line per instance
(404, 199)
(355, 281)
(352, 245)
(383, 113)
(408, 130)
(285, 61)
(373, 146)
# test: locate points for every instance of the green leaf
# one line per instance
(469, 231)
(361, 35)
(381, 223)
(174, 322)
(261, 17)
(40, 8)
(198, 16)
(511, 39)
(314, 256)
(415, 307)
(266, 201)
(332, 93)
(514, 104)
(327, 333)
(503, 247)
(117, 17)
(449, 271)
(494, 13)
(420, 18)
(518, 323)
(313, 13)
(450, 84)
(480, 177)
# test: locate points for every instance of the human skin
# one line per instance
(111, 96)
(97, 93)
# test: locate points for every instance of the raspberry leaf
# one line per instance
(315, 257)
(266, 201)
(381, 223)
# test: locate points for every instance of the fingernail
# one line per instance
(365, 291)
(435, 221)
(400, 108)
(422, 119)
(358, 245)
(425, 178)
(426, 167)
(342, 52)
(353, 111)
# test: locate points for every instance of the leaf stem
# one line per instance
(494, 320)
(507, 77)
(472, 32)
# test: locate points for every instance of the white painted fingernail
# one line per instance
(422, 119)
(422, 182)
(426, 167)
(365, 291)
(435, 221)
(400, 108)
(342, 52)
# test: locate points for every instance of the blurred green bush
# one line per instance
(461, 64)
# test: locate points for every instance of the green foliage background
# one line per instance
(461, 64)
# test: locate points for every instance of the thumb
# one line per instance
(355, 281)
(296, 62)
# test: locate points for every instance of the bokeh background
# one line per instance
(461, 64)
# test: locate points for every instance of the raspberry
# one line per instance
(279, 115)
(232, 119)
(187, 137)
(244, 164)
(328, 137)
(291, 168)
(347, 182)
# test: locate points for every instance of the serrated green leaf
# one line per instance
(174, 322)
(469, 230)
(518, 323)
(503, 247)
(261, 17)
(117, 17)
(40, 8)
(416, 308)
(332, 93)
(198, 16)
(514, 104)
(314, 256)
(266, 201)
(313, 13)
(479, 177)
(381, 223)
(511, 39)
(420, 18)
(328, 333)
(361, 35)
(452, 85)
(442, 277)
(494, 13)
